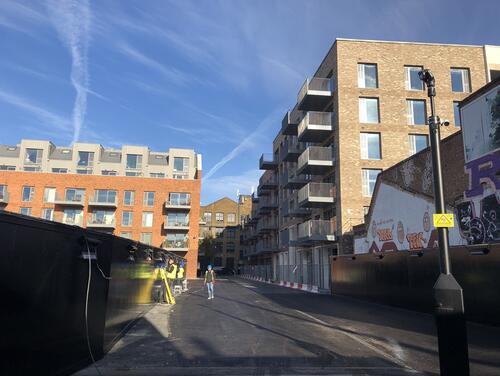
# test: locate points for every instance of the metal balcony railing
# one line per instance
(315, 160)
(267, 162)
(176, 244)
(71, 199)
(315, 86)
(316, 229)
(314, 120)
(100, 221)
(320, 193)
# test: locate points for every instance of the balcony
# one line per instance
(266, 205)
(315, 127)
(70, 200)
(267, 247)
(74, 221)
(267, 183)
(101, 222)
(266, 226)
(290, 122)
(315, 160)
(290, 151)
(178, 204)
(316, 195)
(267, 162)
(295, 181)
(315, 94)
(104, 203)
(176, 225)
(176, 245)
(317, 230)
(4, 197)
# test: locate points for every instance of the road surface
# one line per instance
(253, 328)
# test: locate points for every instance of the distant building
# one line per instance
(131, 192)
(364, 110)
(222, 219)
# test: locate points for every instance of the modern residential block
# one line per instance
(132, 192)
(364, 110)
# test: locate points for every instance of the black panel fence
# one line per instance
(44, 270)
(406, 279)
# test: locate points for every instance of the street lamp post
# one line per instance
(448, 295)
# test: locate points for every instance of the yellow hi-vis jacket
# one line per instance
(181, 273)
(173, 273)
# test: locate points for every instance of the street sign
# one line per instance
(443, 220)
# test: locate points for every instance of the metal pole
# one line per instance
(448, 295)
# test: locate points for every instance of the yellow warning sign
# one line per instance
(443, 220)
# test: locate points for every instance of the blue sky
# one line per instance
(216, 76)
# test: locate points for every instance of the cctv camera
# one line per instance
(445, 122)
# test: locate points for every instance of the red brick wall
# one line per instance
(162, 187)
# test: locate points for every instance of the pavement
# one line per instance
(254, 328)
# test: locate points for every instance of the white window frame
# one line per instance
(410, 113)
(456, 111)
(146, 197)
(465, 74)
(23, 208)
(363, 110)
(132, 198)
(362, 76)
(50, 217)
(231, 215)
(408, 69)
(363, 142)
(219, 217)
(365, 181)
(49, 194)
(147, 219)
(130, 216)
(31, 193)
(412, 141)
(146, 241)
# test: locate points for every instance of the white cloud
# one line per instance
(247, 143)
(72, 21)
(47, 117)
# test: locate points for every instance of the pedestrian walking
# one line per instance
(210, 281)
(171, 274)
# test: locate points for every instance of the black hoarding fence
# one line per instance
(44, 274)
(406, 279)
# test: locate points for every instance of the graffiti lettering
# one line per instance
(384, 234)
(483, 170)
(415, 240)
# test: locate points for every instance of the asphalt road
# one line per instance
(253, 328)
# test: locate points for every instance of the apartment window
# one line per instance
(103, 217)
(7, 168)
(207, 217)
(149, 199)
(177, 241)
(146, 238)
(106, 196)
(109, 172)
(231, 217)
(369, 177)
(460, 80)
(128, 198)
(74, 194)
(178, 219)
(158, 175)
(3, 191)
(367, 76)
(73, 216)
(134, 161)
(85, 159)
(368, 110)
(147, 219)
(418, 142)
(126, 234)
(48, 214)
(127, 218)
(32, 168)
(49, 194)
(28, 193)
(412, 80)
(370, 145)
(181, 164)
(84, 171)
(59, 170)
(133, 173)
(416, 112)
(25, 211)
(219, 217)
(177, 198)
(456, 115)
(33, 156)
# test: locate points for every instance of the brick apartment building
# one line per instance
(364, 110)
(222, 219)
(131, 192)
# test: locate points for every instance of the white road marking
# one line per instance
(363, 342)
